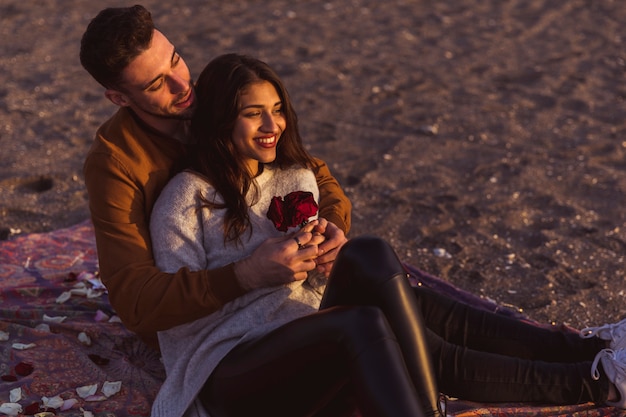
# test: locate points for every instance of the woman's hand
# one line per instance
(281, 260)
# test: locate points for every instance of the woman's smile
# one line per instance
(266, 141)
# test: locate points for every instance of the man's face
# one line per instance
(157, 85)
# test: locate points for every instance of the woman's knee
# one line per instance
(369, 260)
(360, 325)
(359, 246)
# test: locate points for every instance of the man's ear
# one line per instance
(117, 97)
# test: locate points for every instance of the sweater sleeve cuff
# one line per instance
(224, 284)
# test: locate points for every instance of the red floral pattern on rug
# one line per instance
(36, 269)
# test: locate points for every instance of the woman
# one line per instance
(272, 352)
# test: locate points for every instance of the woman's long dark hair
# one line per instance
(218, 92)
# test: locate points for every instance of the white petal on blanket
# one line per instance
(52, 402)
(57, 319)
(4, 336)
(43, 327)
(67, 404)
(10, 409)
(111, 388)
(87, 390)
(115, 319)
(91, 293)
(79, 291)
(22, 346)
(15, 395)
(96, 284)
(86, 413)
(101, 316)
(84, 339)
(95, 398)
(65, 295)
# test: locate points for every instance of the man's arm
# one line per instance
(334, 204)
(146, 299)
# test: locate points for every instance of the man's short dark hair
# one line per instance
(112, 40)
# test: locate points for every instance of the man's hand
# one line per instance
(328, 250)
(281, 260)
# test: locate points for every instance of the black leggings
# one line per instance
(365, 348)
(310, 367)
(483, 356)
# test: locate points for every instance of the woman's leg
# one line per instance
(481, 330)
(367, 271)
(489, 377)
(301, 368)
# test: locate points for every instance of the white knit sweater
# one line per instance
(183, 235)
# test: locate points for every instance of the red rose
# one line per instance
(32, 409)
(98, 360)
(24, 369)
(294, 210)
(276, 215)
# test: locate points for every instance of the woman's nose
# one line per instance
(269, 123)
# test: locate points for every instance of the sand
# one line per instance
(484, 139)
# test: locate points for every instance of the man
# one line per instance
(134, 155)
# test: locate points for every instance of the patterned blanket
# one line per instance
(63, 351)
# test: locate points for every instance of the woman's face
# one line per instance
(259, 124)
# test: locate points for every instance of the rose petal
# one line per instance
(8, 378)
(32, 409)
(49, 319)
(91, 293)
(98, 360)
(4, 336)
(67, 404)
(94, 398)
(111, 388)
(24, 369)
(101, 316)
(84, 339)
(43, 327)
(85, 276)
(86, 413)
(10, 409)
(54, 402)
(276, 214)
(65, 295)
(86, 390)
(15, 395)
(22, 346)
(79, 291)
(96, 283)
